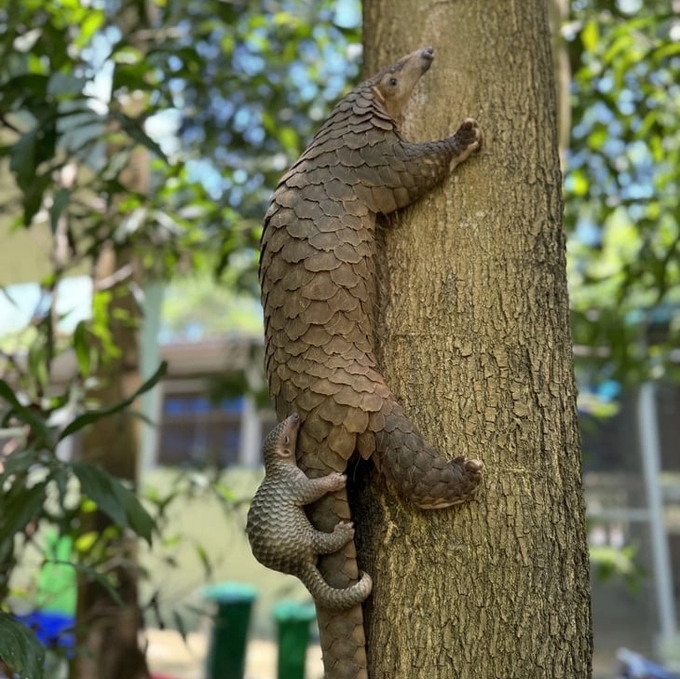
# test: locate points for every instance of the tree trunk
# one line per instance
(474, 340)
(109, 629)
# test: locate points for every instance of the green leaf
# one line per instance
(577, 183)
(670, 49)
(60, 477)
(23, 159)
(85, 542)
(18, 507)
(33, 196)
(129, 77)
(39, 428)
(29, 86)
(65, 85)
(289, 139)
(61, 200)
(179, 625)
(20, 649)
(622, 43)
(136, 132)
(97, 577)
(95, 415)
(205, 560)
(92, 22)
(98, 486)
(38, 359)
(139, 520)
(18, 462)
(119, 503)
(590, 35)
(33, 148)
(82, 348)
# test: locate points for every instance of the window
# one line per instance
(194, 430)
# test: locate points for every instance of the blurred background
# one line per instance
(139, 143)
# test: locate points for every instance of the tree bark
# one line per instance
(474, 340)
(109, 629)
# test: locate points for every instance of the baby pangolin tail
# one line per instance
(330, 597)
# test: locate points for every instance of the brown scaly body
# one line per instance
(318, 291)
(280, 534)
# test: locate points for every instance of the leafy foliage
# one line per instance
(268, 74)
(611, 562)
(37, 487)
(20, 648)
(622, 175)
(70, 139)
(154, 130)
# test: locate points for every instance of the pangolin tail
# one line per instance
(331, 597)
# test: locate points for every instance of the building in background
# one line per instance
(194, 426)
(197, 415)
(196, 423)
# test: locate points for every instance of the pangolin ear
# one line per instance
(378, 95)
(285, 449)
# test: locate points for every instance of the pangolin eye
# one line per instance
(393, 82)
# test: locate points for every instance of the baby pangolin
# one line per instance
(280, 534)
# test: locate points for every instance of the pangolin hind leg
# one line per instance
(417, 470)
(327, 543)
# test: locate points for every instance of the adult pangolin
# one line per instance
(317, 274)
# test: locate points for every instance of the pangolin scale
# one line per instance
(317, 275)
(280, 534)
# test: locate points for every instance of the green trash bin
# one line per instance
(293, 635)
(57, 582)
(229, 634)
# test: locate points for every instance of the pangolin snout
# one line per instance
(427, 57)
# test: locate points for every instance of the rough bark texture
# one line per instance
(475, 343)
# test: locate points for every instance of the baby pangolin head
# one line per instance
(279, 446)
